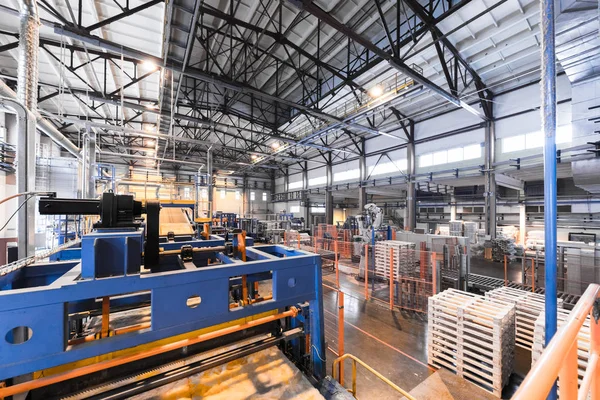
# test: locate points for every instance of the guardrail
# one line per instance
(356, 360)
(559, 359)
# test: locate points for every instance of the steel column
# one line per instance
(362, 166)
(490, 180)
(329, 194)
(409, 223)
(548, 109)
(209, 178)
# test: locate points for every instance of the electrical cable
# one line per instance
(317, 351)
(26, 194)
(16, 211)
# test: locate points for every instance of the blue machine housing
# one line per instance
(41, 296)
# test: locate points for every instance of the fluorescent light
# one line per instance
(376, 91)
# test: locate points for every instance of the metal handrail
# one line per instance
(559, 359)
(374, 372)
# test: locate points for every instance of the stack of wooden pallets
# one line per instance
(583, 340)
(528, 307)
(473, 336)
(405, 258)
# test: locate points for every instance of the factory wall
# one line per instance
(8, 182)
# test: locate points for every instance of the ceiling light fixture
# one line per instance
(150, 143)
(376, 91)
(254, 156)
(149, 65)
(275, 145)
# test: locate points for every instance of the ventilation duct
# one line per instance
(585, 175)
(29, 38)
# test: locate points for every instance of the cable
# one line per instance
(317, 351)
(16, 211)
(26, 194)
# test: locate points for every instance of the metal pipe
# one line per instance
(52, 379)
(548, 109)
(43, 124)
(25, 174)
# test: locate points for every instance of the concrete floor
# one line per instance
(395, 342)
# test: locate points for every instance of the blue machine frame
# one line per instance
(52, 290)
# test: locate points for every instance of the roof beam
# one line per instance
(122, 15)
(392, 60)
(438, 37)
(200, 75)
(279, 38)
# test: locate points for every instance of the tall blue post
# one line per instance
(548, 109)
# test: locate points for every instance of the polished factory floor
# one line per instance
(395, 342)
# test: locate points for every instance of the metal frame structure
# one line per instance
(296, 279)
(240, 86)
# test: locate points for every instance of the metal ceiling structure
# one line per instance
(268, 84)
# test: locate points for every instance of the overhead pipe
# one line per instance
(27, 71)
(43, 124)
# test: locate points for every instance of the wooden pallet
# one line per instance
(405, 258)
(473, 336)
(529, 306)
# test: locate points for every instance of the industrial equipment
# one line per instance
(368, 223)
(126, 302)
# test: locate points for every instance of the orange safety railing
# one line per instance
(559, 359)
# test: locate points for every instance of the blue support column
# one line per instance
(548, 109)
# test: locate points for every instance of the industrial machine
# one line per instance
(368, 223)
(126, 311)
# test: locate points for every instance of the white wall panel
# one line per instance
(528, 97)
(445, 123)
(345, 166)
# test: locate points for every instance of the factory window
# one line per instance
(319, 180)
(295, 209)
(317, 210)
(237, 195)
(264, 196)
(252, 196)
(223, 193)
(426, 160)
(387, 167)
(295, 185)
(440, 157)
(472, 151)
(514, 143)
(564, 134)
(455, 155)
(186, 193)
(535, 140)
(346, 175)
